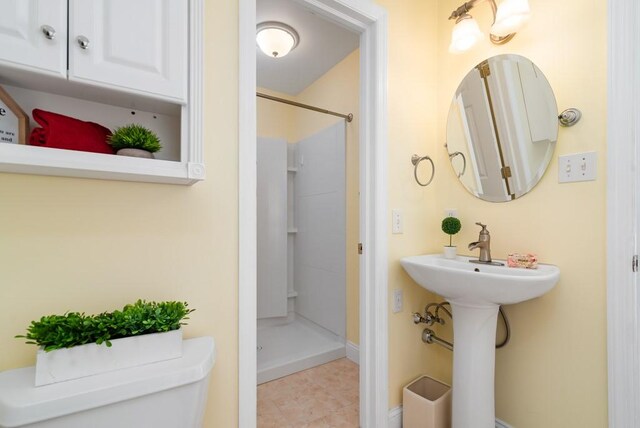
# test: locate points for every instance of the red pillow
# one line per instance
(64, 132)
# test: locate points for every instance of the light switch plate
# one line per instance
(396, 221)
(577, 167)
(451, 212)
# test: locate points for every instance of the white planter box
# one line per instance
(90, 359)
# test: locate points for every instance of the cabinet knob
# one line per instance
(83, 42)
(48, 31)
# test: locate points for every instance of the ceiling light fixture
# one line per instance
(508, 18)
(276, 39)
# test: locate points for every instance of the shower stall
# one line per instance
(301, 252)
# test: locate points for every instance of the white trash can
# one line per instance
(426, 403)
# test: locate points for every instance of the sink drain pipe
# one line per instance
(429, 318)
(429, 336)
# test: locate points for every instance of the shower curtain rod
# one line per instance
(347, 117)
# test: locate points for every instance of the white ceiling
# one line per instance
(322, 45)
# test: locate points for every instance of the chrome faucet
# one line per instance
(484, 243)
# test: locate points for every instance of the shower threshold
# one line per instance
(295, 346)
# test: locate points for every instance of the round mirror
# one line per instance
(502, 128)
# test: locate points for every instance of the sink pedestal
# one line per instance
(474, 354)
(476, 293)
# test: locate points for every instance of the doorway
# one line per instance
(369, 21)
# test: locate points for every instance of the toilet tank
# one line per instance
(168, 394)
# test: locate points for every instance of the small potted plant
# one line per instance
(75, 345)
(450, 226)
(135, 140)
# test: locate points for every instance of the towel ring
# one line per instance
(464, 162)
(415, 160)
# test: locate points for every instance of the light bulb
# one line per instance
(510, 17)
(465, 34)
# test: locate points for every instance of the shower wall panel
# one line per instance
(272, 227)
(320, 253)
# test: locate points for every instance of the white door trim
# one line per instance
(623, 146)
(370, 21)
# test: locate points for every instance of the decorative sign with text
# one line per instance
(14, 123)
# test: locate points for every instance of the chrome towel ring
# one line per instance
(464, 162)
(415, 160)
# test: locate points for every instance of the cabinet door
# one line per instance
(23, 42)
(139, 45)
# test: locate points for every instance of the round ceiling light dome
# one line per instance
(276, 39)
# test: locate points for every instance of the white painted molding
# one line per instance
(353, 352)
(370, 21)
(247, 218)
(395, 417)
(502, 424)
(623, 135)
(194, 148)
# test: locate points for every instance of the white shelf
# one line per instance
(26, 159)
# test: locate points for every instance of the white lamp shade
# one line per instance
(510, 17)
(275, 42)
(465, 34)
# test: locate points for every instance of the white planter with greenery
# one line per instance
(450, 252)
(450, 226)
(135, 141)
(91, 359)
(76, 345)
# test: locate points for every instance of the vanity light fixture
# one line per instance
(508, 18)
(276, 39)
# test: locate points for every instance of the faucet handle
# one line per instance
(483, 226)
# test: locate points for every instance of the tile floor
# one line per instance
(324, 396)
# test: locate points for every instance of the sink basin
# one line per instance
(476, 292)
(460, 281)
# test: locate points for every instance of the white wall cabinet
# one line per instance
(141, 59)
(140, 45)
(33, 35)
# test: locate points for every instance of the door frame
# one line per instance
(623, 185)
(370, 21)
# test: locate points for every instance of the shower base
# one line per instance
(293, 346)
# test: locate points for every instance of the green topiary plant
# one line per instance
(134, 137)
(73, 328)
(451, 226)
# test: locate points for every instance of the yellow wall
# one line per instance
(553, 373)
(92, 245)
(274, 119)
(413, 121)
(337, 90)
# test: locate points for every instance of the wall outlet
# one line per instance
(396, 221)
(397, 301)
(577, 167)
(451, 212)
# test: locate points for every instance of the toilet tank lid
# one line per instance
(23, 403)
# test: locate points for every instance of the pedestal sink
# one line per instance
(476, 292)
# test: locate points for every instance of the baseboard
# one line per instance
(395, 417)
(353, 352)
(502, 424)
